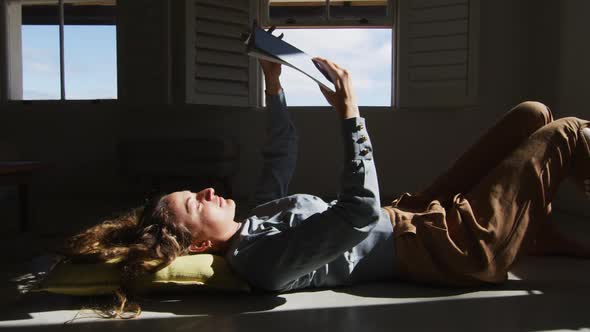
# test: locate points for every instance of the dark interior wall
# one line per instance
(544, 50)
(572, 78)
(575, 52)
(144, 51)
(411, 146)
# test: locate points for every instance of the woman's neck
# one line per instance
(221, 247)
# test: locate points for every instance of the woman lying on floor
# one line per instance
(466, 229)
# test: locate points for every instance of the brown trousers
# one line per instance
(468, 227)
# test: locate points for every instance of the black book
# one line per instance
(262, 44)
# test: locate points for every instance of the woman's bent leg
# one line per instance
(517, 194)
(495, 145)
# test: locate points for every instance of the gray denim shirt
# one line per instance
(300, 241)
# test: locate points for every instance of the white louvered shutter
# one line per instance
(12, 63)
(438, 53)
(217, 70)
(3, 57)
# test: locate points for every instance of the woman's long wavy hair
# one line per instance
(143, 240)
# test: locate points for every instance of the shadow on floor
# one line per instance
(513, 313)
(195, 303)
(553, 295)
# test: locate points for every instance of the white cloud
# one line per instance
(33, 53)
(365, 53)
(321, 41)
(40, 61)
(296, 81)
(384, 52)
(38, 95)
(39, 67)
(37, 61)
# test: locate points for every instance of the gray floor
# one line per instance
(543, 294)
(552, 296)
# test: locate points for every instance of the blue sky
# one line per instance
(366, 53)
(90, 63)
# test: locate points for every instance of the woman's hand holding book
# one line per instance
(344, 98)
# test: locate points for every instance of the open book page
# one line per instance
(264, 45)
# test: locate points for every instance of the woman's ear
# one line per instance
(199, 247)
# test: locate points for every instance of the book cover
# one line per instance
(262, 44)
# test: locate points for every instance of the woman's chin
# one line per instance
(230, 203)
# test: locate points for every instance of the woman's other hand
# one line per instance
(272, 71)
(343, 99)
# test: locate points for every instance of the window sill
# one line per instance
(62, 102)
(383, 23)
(379, 109)
(59, 105)
(362, 109)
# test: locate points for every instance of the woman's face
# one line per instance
(207, 216)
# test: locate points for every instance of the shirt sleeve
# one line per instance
(279, 152)
(278, 259)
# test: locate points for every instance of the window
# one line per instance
(357, 35)
(434, 45)
(219, 73)
(366, 53)
(87, 67)
(423, 53)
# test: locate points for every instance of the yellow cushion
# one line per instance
(193, 272)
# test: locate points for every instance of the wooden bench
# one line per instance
(19, 173)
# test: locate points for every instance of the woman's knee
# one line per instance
(571, 121)
(564, 131)
(571, 124)
(534, 113)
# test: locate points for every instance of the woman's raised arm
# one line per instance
(280, 259)
(280, 149)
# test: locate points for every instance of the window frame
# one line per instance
(10, 80)
(326, 22)
(339, 23)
